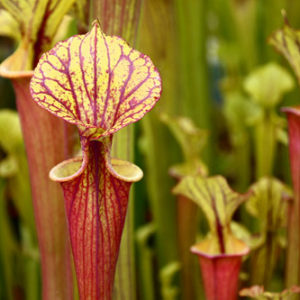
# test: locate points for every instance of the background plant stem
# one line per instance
(32, 267)
(6, 285)
(195, 103)
(158, 148)
(145, 265)
(265, 145)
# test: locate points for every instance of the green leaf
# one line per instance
(8, 247)
(286, 41)
(195, 167)
(65, 30)
(10, 131)
(80, 9)
(242, 233)
(14, 166)
(268, 203)
(218, 202)
(9, 26)
(240, 112)
(8, 167)
(268, 83)
(38, 21)
(169, 290)
(190, 138)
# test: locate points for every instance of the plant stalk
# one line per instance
(292, 274)
(46, 146)
(6, 236)
(265, 145)
(187, 229)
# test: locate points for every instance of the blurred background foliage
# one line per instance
(223, 86)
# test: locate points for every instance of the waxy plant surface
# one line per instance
(100, 84)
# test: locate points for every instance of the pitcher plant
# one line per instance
(101, 85)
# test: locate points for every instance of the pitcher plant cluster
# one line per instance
(217, 215)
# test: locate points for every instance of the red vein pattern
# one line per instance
(100, 84)
(96, 82)
(213, 195)
(220, 275)
(96, 204)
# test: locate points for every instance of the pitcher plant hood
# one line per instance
(97, 82)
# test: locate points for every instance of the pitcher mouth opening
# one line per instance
(241, 249)
(125, 170)
(71, 168)
(66, 170)
(292, 110)
(6, 73)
